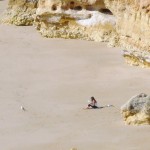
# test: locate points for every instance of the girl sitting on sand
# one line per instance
(92, 104)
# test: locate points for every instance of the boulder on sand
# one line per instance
(137, 110)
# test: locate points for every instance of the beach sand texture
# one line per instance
(53, 79)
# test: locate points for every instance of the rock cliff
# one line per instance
(123, 23)
(77, 19)
(20, 12)
(137, 110)
(133, 28)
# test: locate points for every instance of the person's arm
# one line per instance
(94, 102)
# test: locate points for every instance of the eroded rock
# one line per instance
(133, 28)
(123, 23)
(76, 19)
(137, 110)
(20, 12)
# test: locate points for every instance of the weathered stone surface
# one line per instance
(20, 12)
(78, 19)
(137, 110)
(124, 23)
(133, 28)
(128, 26)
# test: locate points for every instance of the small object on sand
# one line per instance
(109, 105)
(22, 108)
(89, 101)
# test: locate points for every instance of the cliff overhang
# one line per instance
(89, 20)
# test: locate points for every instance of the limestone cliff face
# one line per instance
(79, 19)
(20, 12)
(124, 23)
(133, 28)
(137, 110)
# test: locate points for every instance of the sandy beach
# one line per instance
(53, 79)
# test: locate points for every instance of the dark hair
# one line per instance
(92, 98)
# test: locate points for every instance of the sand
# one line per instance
(53, 79)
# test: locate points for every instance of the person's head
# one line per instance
(92, 98)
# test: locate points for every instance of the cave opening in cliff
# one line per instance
(72, 5)
(54, 7)
(105, 11)
(102, 10)
(79, 7)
